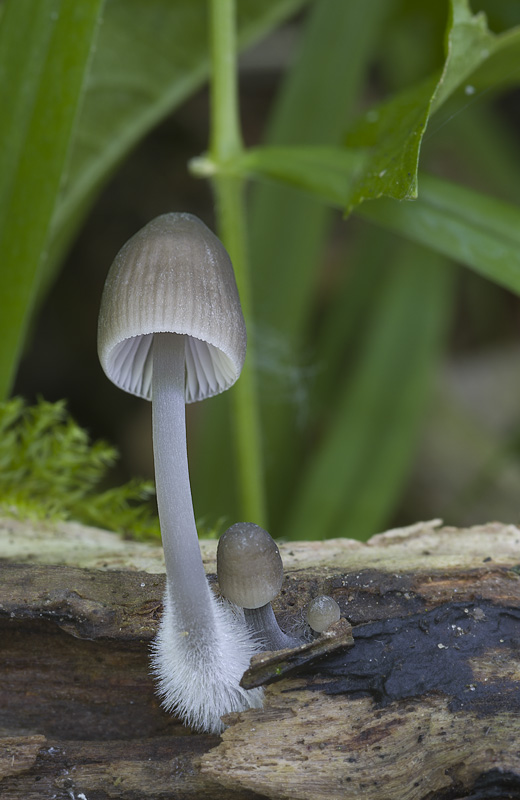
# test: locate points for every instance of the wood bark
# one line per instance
(423, 703)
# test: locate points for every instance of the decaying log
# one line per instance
(424, 704)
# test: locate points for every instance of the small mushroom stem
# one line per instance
(184, 568)
(264, 626)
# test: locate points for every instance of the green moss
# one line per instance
(49, 469)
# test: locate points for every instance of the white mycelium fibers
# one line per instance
(198, 679)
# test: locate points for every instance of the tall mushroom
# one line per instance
(171, 330)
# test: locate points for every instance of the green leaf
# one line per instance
(500, 70)
(469, 44)
(392, 135)
(354, 476)
(485, 143)
(394, 131)
(326, 172)
(479, 231)
(45, 50)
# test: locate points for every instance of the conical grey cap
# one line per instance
(173, 276)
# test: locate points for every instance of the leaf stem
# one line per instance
(225, 145)
(225, 137)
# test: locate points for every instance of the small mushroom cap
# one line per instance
(322, 612)
(173, 276)
(249, 565)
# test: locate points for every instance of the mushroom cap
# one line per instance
(249, 565)
(173, 276)
(322, 612)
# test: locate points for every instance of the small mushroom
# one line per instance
(322, 612)
(171, 330)
(250, 575)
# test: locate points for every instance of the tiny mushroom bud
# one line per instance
(322, 612)
(250, 575)
(171, 330)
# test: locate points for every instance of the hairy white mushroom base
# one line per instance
(198, 679)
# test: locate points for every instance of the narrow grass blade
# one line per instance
(478, 231)
(289, 229)
(40, 101)
(354, 476)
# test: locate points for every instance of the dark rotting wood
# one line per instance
(424, 705)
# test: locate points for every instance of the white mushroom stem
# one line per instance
(184, 567)
(264, 626)
(201, 650)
